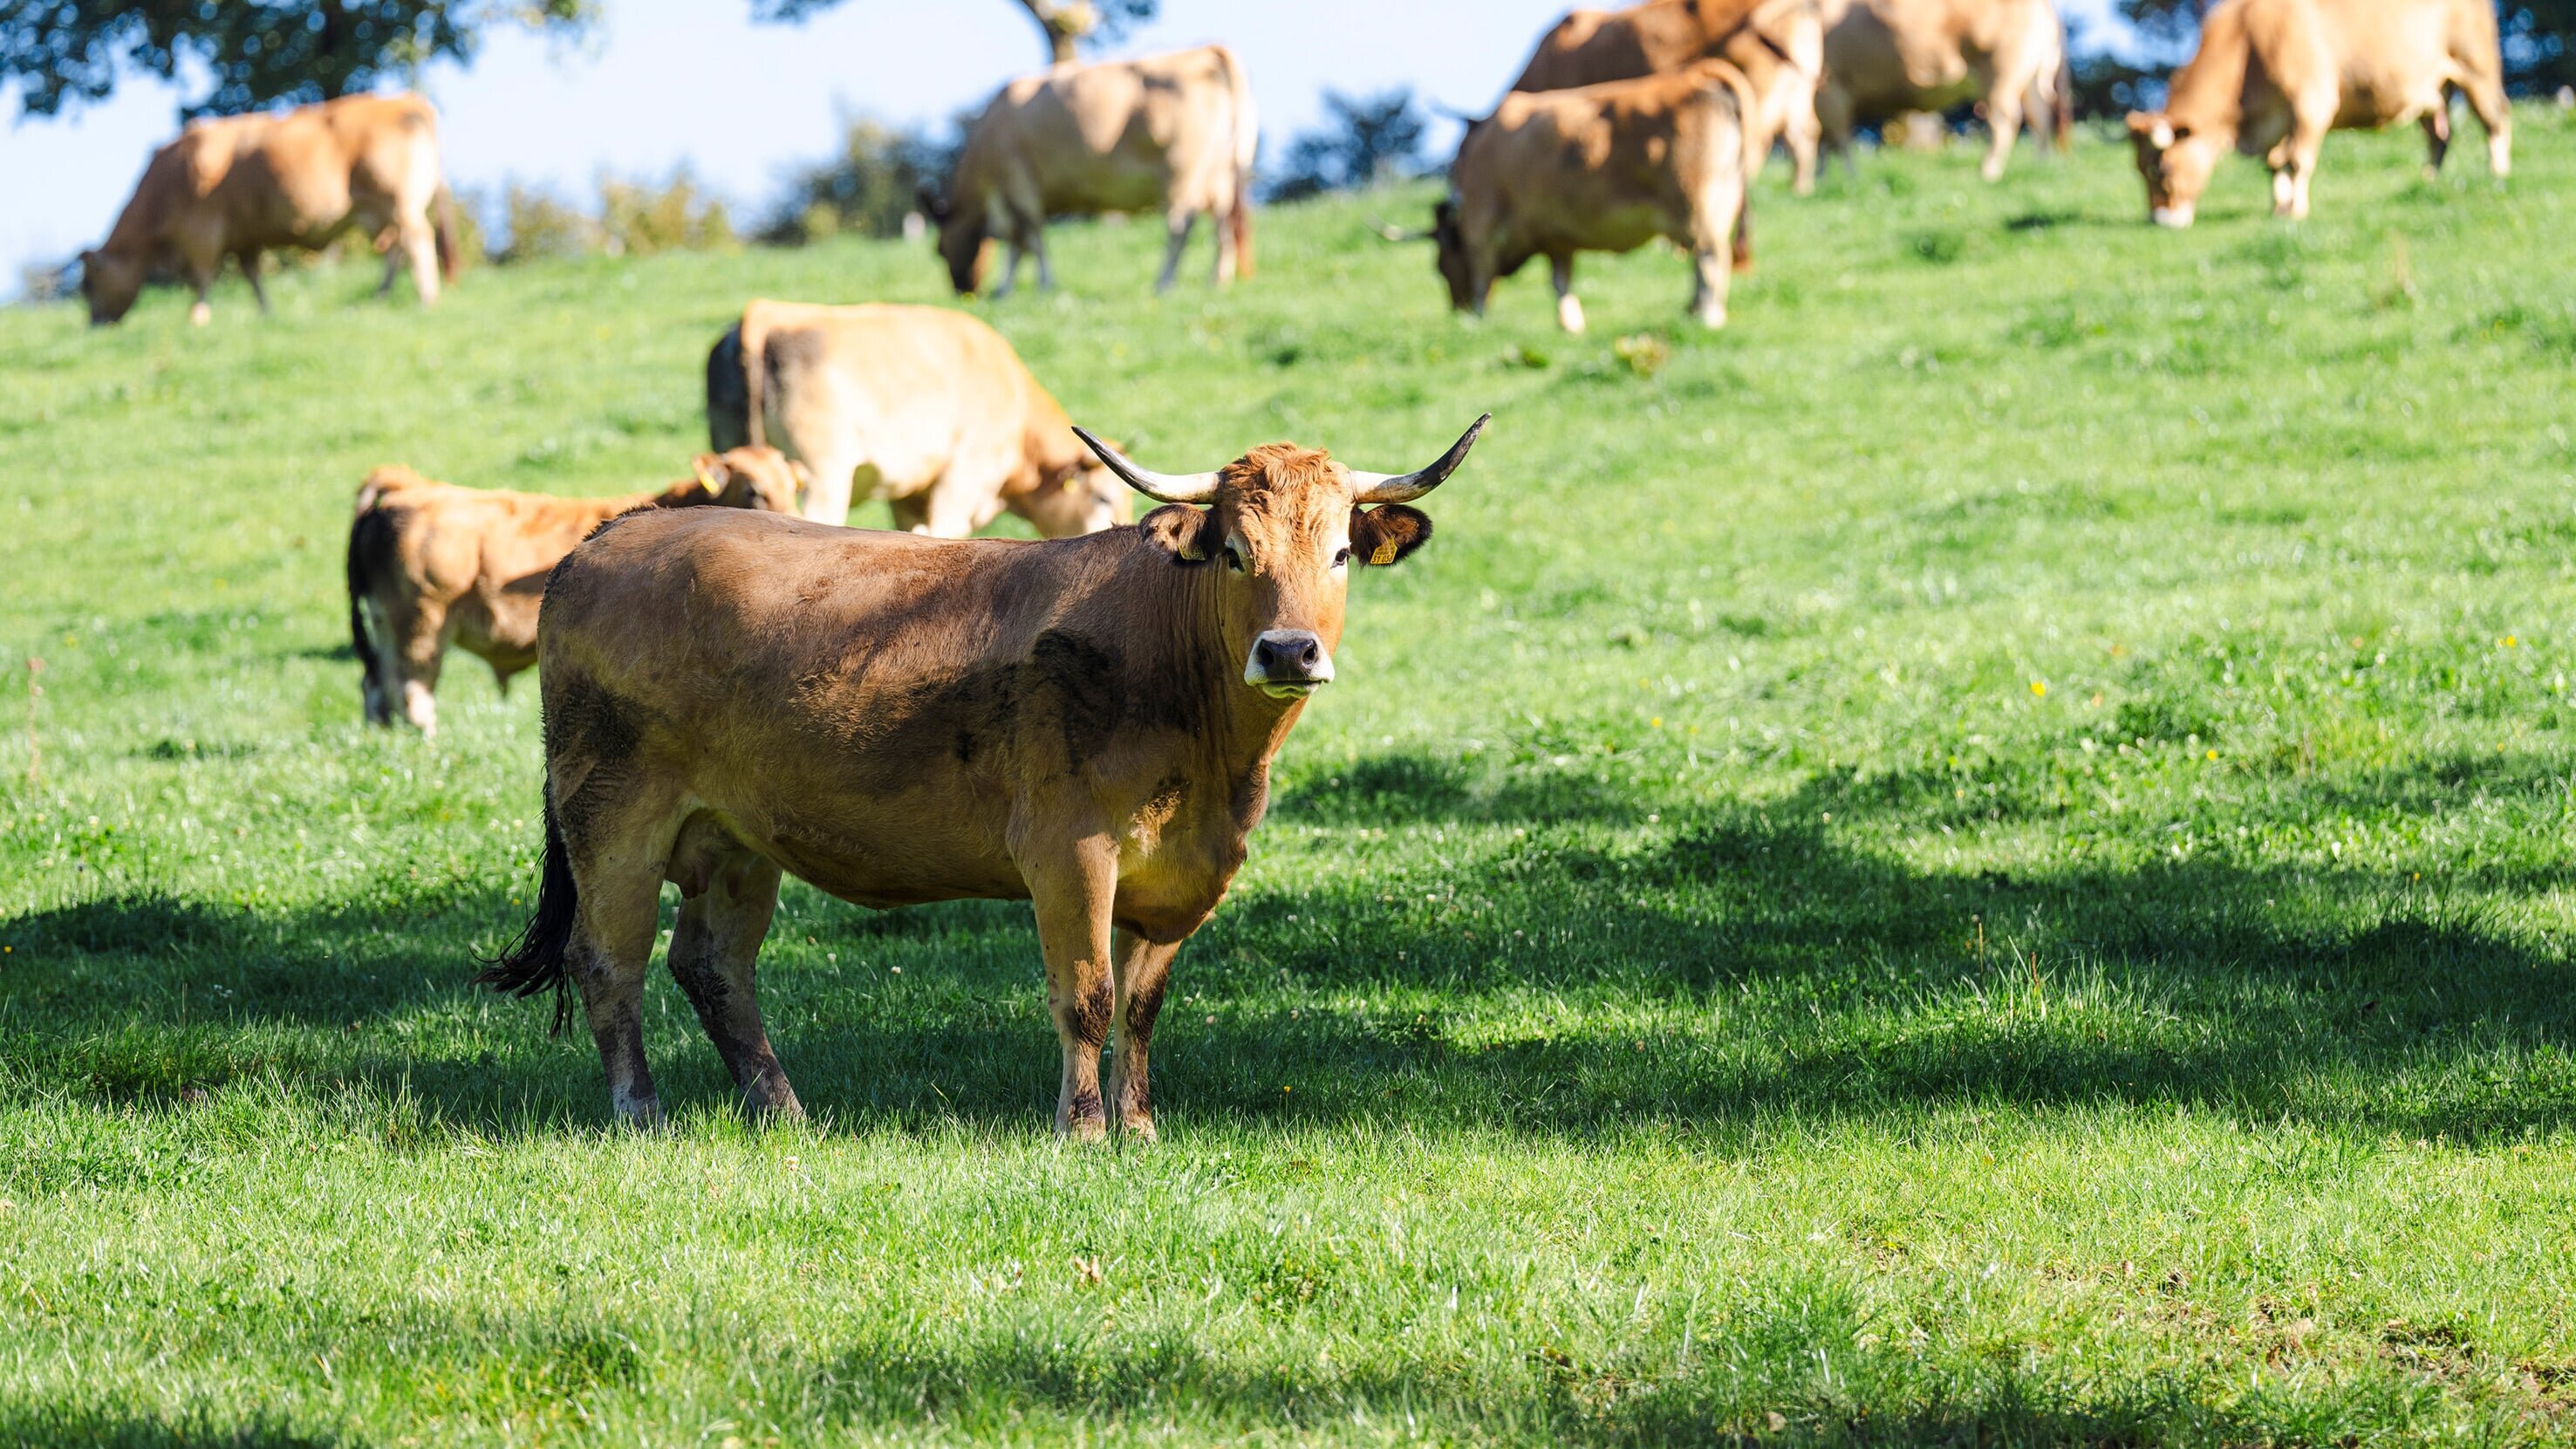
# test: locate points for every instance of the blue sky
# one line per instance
(665, 81)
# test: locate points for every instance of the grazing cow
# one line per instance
(1171, 134)
(931, 408)
(2273, 76)
(240, 185)
(1086, 724)
(1884, 58)
(1778, 44)
(432, 564)
(1602, 168)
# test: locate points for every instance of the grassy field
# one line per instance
(1980, 858)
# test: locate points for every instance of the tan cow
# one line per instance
(2273, 76)
(1086, 724)
(242, 185)
(1171, 135)
(1884, 58)
(1604, 168)
(1778, 44)
(431, 564)
(925, 408)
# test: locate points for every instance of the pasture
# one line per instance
(1979, 858)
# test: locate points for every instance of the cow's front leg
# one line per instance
(1072, 891)
(249, 259)
(1037, 245)
(1569, 308)
(1144, 967)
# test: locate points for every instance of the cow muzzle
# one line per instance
(1288, 663)
(2177, 216)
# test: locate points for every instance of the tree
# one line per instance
(1066, 24)
(1365, 140)
(257, 52)
(2539, 37)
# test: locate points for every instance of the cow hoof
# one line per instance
(1992, 171)
(1569, 314)
(1140, 1130)
(200, 315)
(1711, 317)
(1086, 1131)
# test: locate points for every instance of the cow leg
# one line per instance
(714, 951)
(1802, 135)
(1834, 123)
(1072, 894)
(420, 243)
(2495, 115)
(2299, 155)
(1037, 246)
(828, 495)
(2437, 138)
(1221, 221)
(1143, 969)
(1176, 229)
(412, 655)
(2003, 128)
(248, 257)
(1569, 309)
(616, 826)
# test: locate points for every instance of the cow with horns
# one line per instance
(1085, 723)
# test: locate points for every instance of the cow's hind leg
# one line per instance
(1144, 968)
(728, 895)
(1569, 308)
(2495, 114)
(616, 824)
(249, 259)
(1176, 228)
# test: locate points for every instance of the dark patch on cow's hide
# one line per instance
(1083, 678)
(1090, 1012)
(1086, 1105)
(1144, 1003)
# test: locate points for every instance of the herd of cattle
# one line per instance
(1086, 722)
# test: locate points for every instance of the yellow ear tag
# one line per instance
(708, 481)
(1386, 551)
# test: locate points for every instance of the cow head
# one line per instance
(110, 283)
(1281, 527)
(760, 479)
(1085, 498)
(961, 240)
(2176, 164)
(1451, 251)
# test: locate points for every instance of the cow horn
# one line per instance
(1161, 487)
(1405, 487)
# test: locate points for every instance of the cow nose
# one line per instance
(1288, 662)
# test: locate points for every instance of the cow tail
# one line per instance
(2063, 113)
(451, 250)
(366, 531)
(755, 369)
(1247, 152)
(535, 961)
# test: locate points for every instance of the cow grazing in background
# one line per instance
(1884, 58)
(1086, 724)
(923, 407)
(242, 185)
(1172, 135)
(2271, 77)
(1603, 168)
(431, 564)
(1778, 44)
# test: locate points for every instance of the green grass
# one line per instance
(1980, 858)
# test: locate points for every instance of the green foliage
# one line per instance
(866, 190)
(1978, 858)
(634, 218)
(255, 52)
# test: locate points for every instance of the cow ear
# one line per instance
(1382, 536)
(1178, 529)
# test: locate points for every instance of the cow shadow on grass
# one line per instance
(1742, 966)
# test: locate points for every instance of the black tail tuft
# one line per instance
(535, 961)
(368, 542)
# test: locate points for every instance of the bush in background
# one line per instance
(634, 218)
(867, 189)
(1363, 142)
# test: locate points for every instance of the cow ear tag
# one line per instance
(1386, 551)
(707, 480)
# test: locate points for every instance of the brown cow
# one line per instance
(930, 407)
(1171, 134)
(1603, 168)
(1884, 58)
(1085, 724)
(2273, 76)
(432, 564)
(241, 185)
(1778, 44)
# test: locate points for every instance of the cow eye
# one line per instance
(1234, 558)
(1341, 558)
